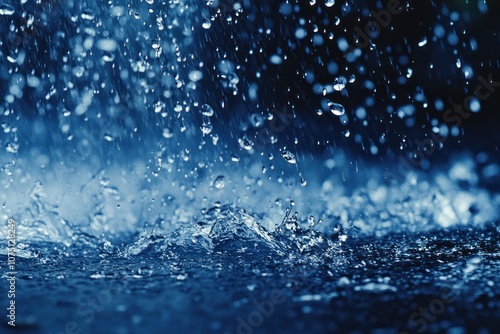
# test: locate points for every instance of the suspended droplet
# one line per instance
(207, 110)
(168, 133)
(6, 9)
(12, 147)
(158, 106)
(206, 128)
(303, 181)
(87, 14)
(195, 75)
(335, 108)
(289, 157)
(206, 24)
(156, 44)
(329, 3)
(220, 182)
(256, 120)
(422, 42)
(339, 83)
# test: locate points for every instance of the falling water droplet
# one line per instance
(206, 128)
(303, 181)
(339, 83)
(207, 110)
(329, 3)
(289, 157)
(335, 108)
(6, 9)
(220, 182)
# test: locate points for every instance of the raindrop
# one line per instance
(207, 110)
(195, 75)
(159, 106)
(206, 128)
(12, 147)
(246, 143)
(6, 9)
(87, 14)
(474, 105)
(303, 181)
(256, 120)
(329, 3)
(335, 108)
(107, 45)
(289, 157)
(206, 24)
(423, 42)
(276, 60)
(220, 182)
(156, 44)
(168, 133)
(339, 83)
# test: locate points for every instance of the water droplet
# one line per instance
(207, 110)
(195, 75)
(312, 221)
(158, 106)
(168, 133)
(245, 143)
(87, 14)
(156, 44)
(256, 120)
(109, 45)
(329, 3)
(303, 181)
(276, 59)
(220, 182)
(6, 9)
(12, 147)
(206, 24)
(335, 108)
(289, 157)
(339, 83)
(206, 128)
